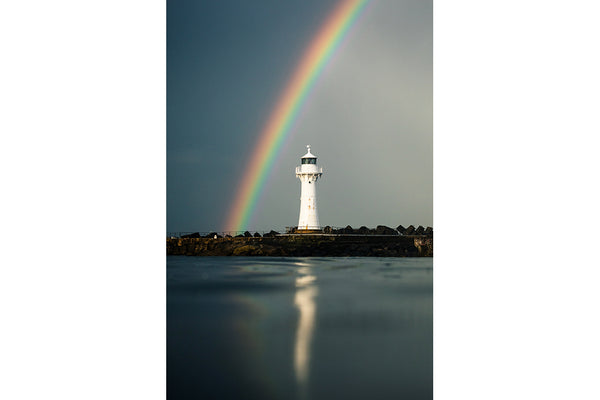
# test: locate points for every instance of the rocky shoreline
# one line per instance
(381, 242)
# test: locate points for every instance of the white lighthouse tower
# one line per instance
(308, 173)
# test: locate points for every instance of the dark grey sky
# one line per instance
(369, 118)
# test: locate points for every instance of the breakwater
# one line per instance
(304, 245)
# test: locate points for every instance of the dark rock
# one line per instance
(247, 234)
(271, 251)
(191, 235)
(245, 251)
(307, 246)
(401, 229)
(271, 234)
(411, 251)
(428, 231)
(240, 235)
(227, 236)
(410, 230)
(256, 234)
(420, 230)
(425, 246)
(363, 230)
(327, 229)
(385, 230)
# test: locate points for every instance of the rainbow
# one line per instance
(282, 118)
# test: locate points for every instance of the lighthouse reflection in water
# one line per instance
(305, 301)
(299, 328)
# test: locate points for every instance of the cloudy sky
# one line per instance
(368, 119)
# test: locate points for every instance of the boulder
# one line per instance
(363, 230)
(328, 229)
(401, 229)
(247, 234)
(246, 250)
(385, 230)
(191, 235)
(410, 230)
(428, 231)
(256, 234)
(419, 230)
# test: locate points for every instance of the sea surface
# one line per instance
(299, 328)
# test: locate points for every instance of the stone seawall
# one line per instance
(305, 246)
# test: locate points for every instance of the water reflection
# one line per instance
(248, 328)
(306, 292)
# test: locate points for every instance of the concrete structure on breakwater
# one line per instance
(318, 245)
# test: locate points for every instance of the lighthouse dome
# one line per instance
(309, 158)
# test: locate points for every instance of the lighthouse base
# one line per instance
(299, 230)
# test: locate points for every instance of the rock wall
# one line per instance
(304, 246)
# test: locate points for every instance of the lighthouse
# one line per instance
(308, 173)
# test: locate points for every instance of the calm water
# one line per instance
(299, 328)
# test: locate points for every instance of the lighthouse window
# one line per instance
(309, 161)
